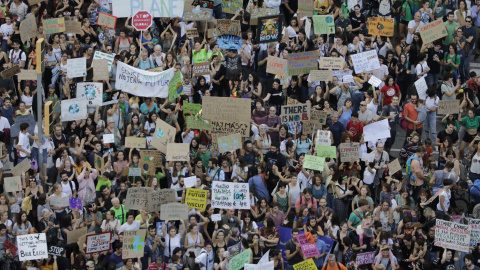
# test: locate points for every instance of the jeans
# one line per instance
(289, 267)
(217, 12)
(430, 125)
(20, 159)
(432, 78)
(4, 45)
(357, 98)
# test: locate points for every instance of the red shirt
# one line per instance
(356, 130)
(389, 92)
(412, 113)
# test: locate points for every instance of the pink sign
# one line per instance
(365, 258)
(308, 249)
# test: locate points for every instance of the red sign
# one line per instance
(9, 245)
(142, 20)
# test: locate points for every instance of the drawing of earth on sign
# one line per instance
(73, 109)
(179, 88)
(90, 92)
(137, 243)
(159, 133)
(328, 19)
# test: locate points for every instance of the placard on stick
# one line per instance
(73, 236)
(192, 32)
(394, 166)
(107, 20)
(28, 28)
(433, 31)
(98, 242)
(201, 69)
(159, 197)
(137, 198)
(448, 106)
(331, 63)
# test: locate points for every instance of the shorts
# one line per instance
(468, 138)
(403, 22)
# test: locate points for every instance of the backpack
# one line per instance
(409, 169)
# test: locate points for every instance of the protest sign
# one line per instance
(319, 116)
(452, 235)
(202, 3)
(28, 28)
(98, 242)
(370, 157)
(82, 239)
(192, 32)
(134, 171)
(313, 162)
(7, 244)
(164, 134)
(228, 27)
(194, 122)
(269, 29)
(133, 243)
(309, 249)
(365, 258)
(55, 251)
(191, 108)
(175, 86)
(159, 197)
(321, 75)
(196, 198)
(305, 265)
(260, 266)
(76, 67)
(230, 195)
(326, 151)
(448, 106)
(135, 142)
(374, 81)
(59, 201)
(309, 126)
(323, 138)
(379, 26)
(302, 63)
(340, 74)
(15, 130)
(190, 181)
(230, 143)
(295, 113)
(174, 211)
(376, 131)
(52, 26)
(394, 166)
(349, 152)
(260, 12)
(91, 91)
(308, 28)
(198, 15)
(433, 31)
(100, 70)
(75, 203)
(73, 27)
(231, 6)
(73, 236)
(107, 20)
(201, 69)
(74, 109)
(32, 246)
(422, 87)
(102, 55)
(27, 75)
(178, 152)
(137, 198)
(475, 231)
(237, 262)
(216, 217)
(34, 2)
(366, 61)
(143, 83)
(10, 72)
(305, 8)
(12, 184)
(277, 66)
(108, 138)
(226, 109)
(347, 79)
(156, 8)
(323, 24)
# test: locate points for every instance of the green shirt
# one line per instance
(450, 32)
(205, 158)
(407, 10)
(120, 213)
(200, 57)
(355, 219)
(102, 183)
(471, 123)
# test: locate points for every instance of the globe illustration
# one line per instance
(328, 19)
(90, 92)
(73, 109)
(179, 88)
(159, 133)
(137, 243)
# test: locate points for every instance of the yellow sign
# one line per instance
(196, 198)
(305, 265)
(378, 26)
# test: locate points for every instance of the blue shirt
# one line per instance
(217, 175)
(117, 260)
(259, 186)
(475, 17)
(322, 247)
(337, 129)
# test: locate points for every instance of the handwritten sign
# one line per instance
(134, 171)
(230, 143)
(448, 106)
(59, 201)
(302, 63)
(178, 152)
(260, 12)
(28, 28)
(160, 197)
(55, 251)
(374, 81)
(137, 198)
(326, 151)
(198, 15)
(321, 75)
(295, 113)
(365, 61)
(12, 184)
(228, 27)
(32, 247)
(309, 249)
(230, 127)
(230, 195)
(174, 211)
(475, 229)
(313, 162)
(8, 73)
(349, 152)
(192, 32)
(76, 67)
(92, 92)
(52, 26)
(196, 198)
(135, 142)
(231, 7)
(422, 87)
(305, 8)
(323, 138)
(201, 69)
(433, 31)
(277, 66)
(323, 24)
(102, 55)
(237, 262)
(365, 258)
(107, 20)
(226, 109)
(100, 70)
(452, 235)
(305, 265)
(75, 203)
(98, 242)
(27, 75)
(133, 243)
(379, 26)
(73, 27)
(376, 131)
(394, 166)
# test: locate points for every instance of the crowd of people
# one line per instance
(359, 204)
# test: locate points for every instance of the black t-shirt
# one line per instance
(366, 241)
(233, 64)
(443, 134)
(356, 21)
(63, 263)
(292, 247)
(434, 65)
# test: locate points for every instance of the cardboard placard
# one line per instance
(230, 195)
(135, 142)
(201, 69)
(76, 67)
(260, 12)
(137, 198)
(73, 236)
(99, 163)
(321, 75)
(230, 143)
(28, 28)
(394, 166)
(8, 73)
(196, 198)
(107, 20)
(305, 8)
(365, 61)
(226, 109)
(269, 29)
(27, 75)
(305, 265)
(100, 70)
(452, 235)
(238, 262)
(228, 27)
(379, 26)
(102, 55)
(295, 113)
(230, 127)
(21, 167)
(313, 162)
(178, 152)
(365, 258)
(192, 32)
(73, 27)
(323, 138)
(331, 63)
(52, 26)
(12, 184)
(98, 242)
(134, 171)
(433, 31)
(159, 197)
(323, 24)
(133, 243)
(164, 134)
(59, 201)
(326, 151)
(32, 246)
(231, 6)
(277, 66)
(320, 116)
(302, 63)
(448, 106)
(349, 152)
(422, 87)
(174, 211)
(198, 15)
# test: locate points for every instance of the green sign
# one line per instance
(237, 262)
(326, 151)
(175, 87)
(313, 162)
(194, 108)
(323, 24)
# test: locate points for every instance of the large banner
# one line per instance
(157, 8)
(452, 235)
(143, 83)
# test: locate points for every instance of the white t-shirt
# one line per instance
(59, 161)
(368, 176)
(24, 142)
(446, 203)
(128, 227)
(16, 58)
(188, 137)
(67, 189)
(411, 24)
(421, 68)
(4, 123)
(6, 30)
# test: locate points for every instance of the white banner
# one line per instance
(74, 109)
(92, 92)
(157, 8)
(230, 195)
(32, 247)
(376, 131)
(143, 83)
(76, 67)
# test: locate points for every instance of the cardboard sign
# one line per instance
(228, 27)
(326, 151)
(192, 32)
(379, 26)
(73, 27)
(319, 116)
(452, 235)
(349, 152)
(32, 246)
(191, 108)
(164, 134)
(305, 8)
(302, 63)
(133, 243)
(323, 24)
(21, 167)
(159, 197)
(331, 63)
(295, 113)
(52, 26)
(99, 163)
(475, 229)
(422, 87)
(365, 61)
(433, 31)
(269, 29)
(174, 211)
(194, 122)
(313, 162)
(59, 201)
(8, 73)
(448, 106)
(226, 109)
(260, 12)
(92, 92)
(100, 70)
(137, 198)
(7, 244)
(27, 75)
(75, 203)
(323, 138)
(107, 20)
(230, 127)
(196, 198)
(376, 131)
(231, 6)
(230, 143)
(201, 69)
(230, 195)
(277, 66)
(394, 166)
(365, 258)
(305, 265)
(374, 81)
(134, 171)
(321, 75)
(12, 184)
(237, 262)
(102, 55)
(34, 2)
(98, 242)
(178, 152)
(76, 67)
(309, 250)
(28, 28)
(73, 236)
(135, 142)
(198, 15)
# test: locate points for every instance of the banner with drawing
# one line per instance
(92, 92)
(269, 29)
(230, 195)
(74, 109)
